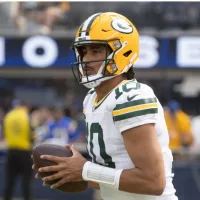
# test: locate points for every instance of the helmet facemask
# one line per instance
(80, 70)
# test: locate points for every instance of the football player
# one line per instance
(127, 138)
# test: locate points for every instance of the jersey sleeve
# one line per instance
(135, 107)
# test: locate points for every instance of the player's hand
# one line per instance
(34, 168)
(68, 169)
(37, 175)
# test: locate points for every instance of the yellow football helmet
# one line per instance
(111, 29)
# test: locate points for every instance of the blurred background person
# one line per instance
(55, 12)
(19, 138)
(44, 121)
(179, 127)
(39, 17)
(196, 133)
(35, 118)
(46, 115)
(62, 130)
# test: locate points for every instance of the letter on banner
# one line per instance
(188, 51)
(149, 54)
(47, 58)
(2, 51)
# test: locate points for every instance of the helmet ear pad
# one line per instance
(110, 66)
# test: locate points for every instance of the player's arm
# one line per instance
(148, 176)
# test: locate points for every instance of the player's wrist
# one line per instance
(100, 174)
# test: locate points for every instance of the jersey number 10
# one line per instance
(96, 128)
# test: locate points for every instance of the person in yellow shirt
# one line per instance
(19, 138)
(179, 126)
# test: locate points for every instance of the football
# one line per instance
(55, 150)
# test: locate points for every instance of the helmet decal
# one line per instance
(122, 26)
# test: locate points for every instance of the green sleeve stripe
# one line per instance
(135, 103)
(135, 114)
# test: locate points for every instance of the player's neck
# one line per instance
(106, 86)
